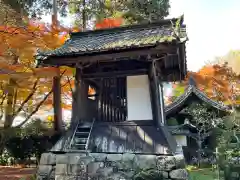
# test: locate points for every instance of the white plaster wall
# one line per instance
(181, 140)
(138, 98)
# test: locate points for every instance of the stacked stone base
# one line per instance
(101, 166)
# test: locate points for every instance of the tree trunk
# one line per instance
(58, 124)
(8, 120)
(199, 142)
(8, 116)
(2, 142)
(84, 17)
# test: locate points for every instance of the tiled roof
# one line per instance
(133, 36)
(193, 90)
(182, 129)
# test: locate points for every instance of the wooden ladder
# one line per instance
(81, 136)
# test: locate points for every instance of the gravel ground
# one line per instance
(15, 173)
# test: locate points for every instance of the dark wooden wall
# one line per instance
(110, 103)
(112, 99)
(128, 136)
(83, 108)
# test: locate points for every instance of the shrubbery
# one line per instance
(228, 147)
(172, 122)
(22, 143)
(22, 148)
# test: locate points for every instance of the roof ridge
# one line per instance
(201, 95)
(162, 23)
(119, 39)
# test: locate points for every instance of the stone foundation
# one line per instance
(101, 166)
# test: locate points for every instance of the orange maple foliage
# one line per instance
(109, 23)
(22, 42)
(17, 62)
(218, 82)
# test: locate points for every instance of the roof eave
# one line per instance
(187, 93)
(180, 37)
(42, 57)
(135, 26)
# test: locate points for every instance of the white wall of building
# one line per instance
(181, 140)
(138, 98)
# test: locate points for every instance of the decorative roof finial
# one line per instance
(191, 81)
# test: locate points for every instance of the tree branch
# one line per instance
(39, 105)
(68, 79)
(3, 99)
(15, 100)
(27, 99)
(36, 109)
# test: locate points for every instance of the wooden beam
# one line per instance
(161, 102)
(116, 66)
(115, 74)
(80, 97)
(83, 101)
(158, 111)
(75, 97)
(182, 55)
(111, 56)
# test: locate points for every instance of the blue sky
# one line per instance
(212, 26)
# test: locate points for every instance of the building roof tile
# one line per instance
(120, 38)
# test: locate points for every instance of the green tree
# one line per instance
(35, 8)
(178, 90)
(146, 11)
(229, 144)
(232, 59)
(133, 11)
(204, 120)
(8, 15)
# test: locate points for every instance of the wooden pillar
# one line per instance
(159, 94)
(83, 102)
(160, 109)
(162, 106)
(80, 98)
(76, 89)
(58, 124)
(159, 112)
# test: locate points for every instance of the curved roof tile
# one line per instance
(192, 89)
(133, 36)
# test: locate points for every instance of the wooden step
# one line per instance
(81, 129)
(85, 124)
(82, 134)
(80, 140)
(80, 144)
